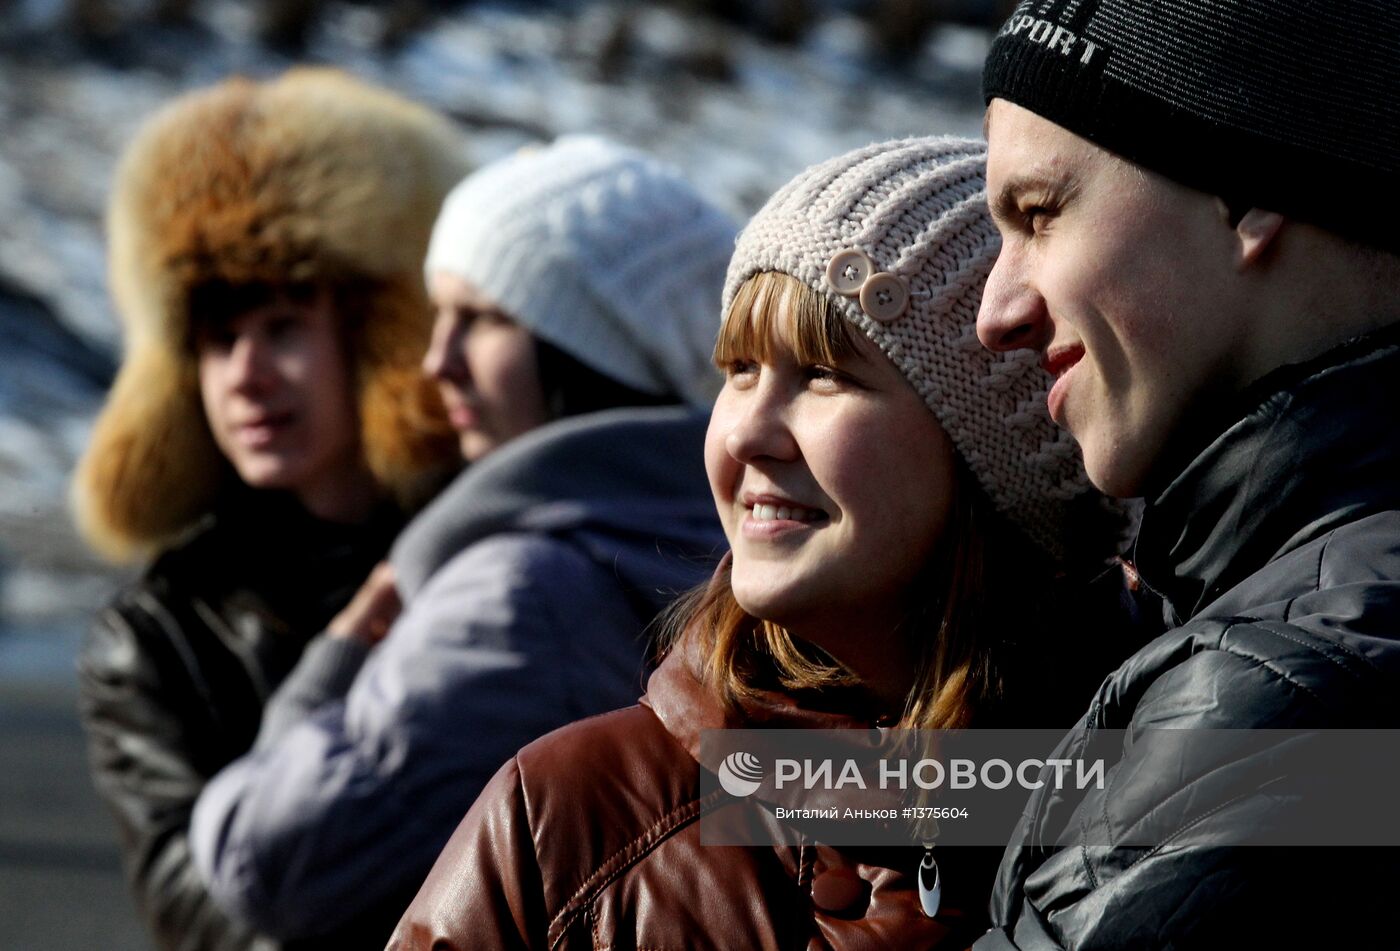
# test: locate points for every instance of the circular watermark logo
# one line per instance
(740, 774)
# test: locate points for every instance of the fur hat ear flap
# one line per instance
(152, 433)
(408, 443)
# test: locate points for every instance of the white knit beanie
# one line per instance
(600, 250)
(898, 236)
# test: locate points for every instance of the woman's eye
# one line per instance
(736, 368)
(492, 318)
(823, 374)
(481, 321)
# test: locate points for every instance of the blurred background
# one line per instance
(739, 93)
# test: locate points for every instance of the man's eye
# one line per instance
(283, 326)
(1037, 218)
(218, 340)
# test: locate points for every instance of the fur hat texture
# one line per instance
(311, 177)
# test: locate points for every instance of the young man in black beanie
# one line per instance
(1198, 201)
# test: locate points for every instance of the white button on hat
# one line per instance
(848, 271)
(884, 297)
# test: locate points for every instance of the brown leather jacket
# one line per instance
(589, 838)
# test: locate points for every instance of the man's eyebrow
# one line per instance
(1003, 203)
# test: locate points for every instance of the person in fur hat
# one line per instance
(267, 435)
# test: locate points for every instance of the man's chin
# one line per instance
(1113, 472)
(265, 475)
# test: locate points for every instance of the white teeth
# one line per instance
(768, 513)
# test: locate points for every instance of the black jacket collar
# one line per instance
(1307, 448)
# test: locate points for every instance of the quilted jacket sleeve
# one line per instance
(1154, 860)
(146, 763)
(512, 638)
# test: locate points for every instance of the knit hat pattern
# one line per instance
(916, 209)
(1287, 105)
(600, 250)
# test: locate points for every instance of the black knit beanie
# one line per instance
(1288, 105)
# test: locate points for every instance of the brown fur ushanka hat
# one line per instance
(312, 177)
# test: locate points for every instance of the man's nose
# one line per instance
(252, 363)
(1013, 315)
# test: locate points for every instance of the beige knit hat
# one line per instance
(898, 236)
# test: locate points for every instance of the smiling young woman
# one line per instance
(899, 511)
(815, 418)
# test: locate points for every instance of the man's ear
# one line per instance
(1255, 232)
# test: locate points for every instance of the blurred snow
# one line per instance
(740, 115)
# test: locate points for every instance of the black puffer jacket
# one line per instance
(175, 672)
(1278, 551)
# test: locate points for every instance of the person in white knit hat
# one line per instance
(574, 286)
(898, 508)
(603, 257)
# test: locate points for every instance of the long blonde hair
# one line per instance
(956, 670)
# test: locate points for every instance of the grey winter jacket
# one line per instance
(527, 588)
(1277, 548)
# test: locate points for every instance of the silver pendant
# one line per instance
(930, 884)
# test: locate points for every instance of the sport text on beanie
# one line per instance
(1285, 105)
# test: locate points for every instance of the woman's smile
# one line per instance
(773, 516)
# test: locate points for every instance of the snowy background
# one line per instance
(738, 112)
(740, 107)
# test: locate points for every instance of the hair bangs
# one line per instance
(809, 325)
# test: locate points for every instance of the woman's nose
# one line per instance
(759, 428)
(444, 360)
